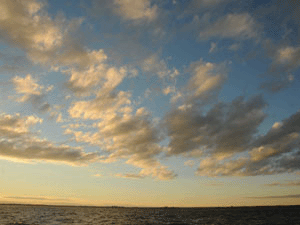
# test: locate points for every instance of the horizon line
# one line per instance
(116, 206)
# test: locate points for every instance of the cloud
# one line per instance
(18, 143)
(136, 10)
(273, 153)
(89, 74)
(213, 167)
(206, 3)
(50, 42)
(288, 55)
(286, 58)
(205, 82)
(282, 138)
(135, 137)
(199, 127)
(282, 20)
(277, 196)
(130, 131)
(97, 76)
(44, 151)
(14, 63)
(234, 47)
(207, 79)
(151, 167)
(42, 198)
(189, 163)
(14, 126)
(196, 6)
(130, 176)
(104, 104)
(107, 101)
(169, 89)
(59, 118)
(22, 25)
(214, 184)
(136, 20)
(155, 65)
(285, 61)
(276, 85)
(27, 87)
(225, 138)
(28, 90)
(287, 184)
(129, 136)
(244, 166)
(224, 129)
(85, 137)
(280, 14)
(236, 26)
(213, 47)
(97, 175)
(225, 134)
(49, 88)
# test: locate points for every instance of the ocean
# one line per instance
(54, 215)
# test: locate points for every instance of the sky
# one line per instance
(189, 103)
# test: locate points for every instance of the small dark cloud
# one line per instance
(275, 86)
(39, 103)
(45, 107)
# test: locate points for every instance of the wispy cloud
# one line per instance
(130, 176)
(155, 65)
(277, 196)
(136, 10)
(189, 163)
(97, 175)
(286, 184)
(214, 184)
(40, 198)
(237, 26)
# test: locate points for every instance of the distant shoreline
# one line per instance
(162, 207)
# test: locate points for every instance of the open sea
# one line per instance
(54, 215)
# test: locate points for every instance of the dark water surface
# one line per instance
(54, 215)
